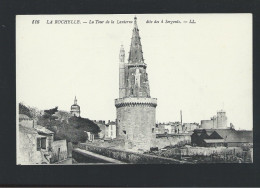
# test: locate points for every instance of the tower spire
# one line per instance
(136, 53)
(75, 100)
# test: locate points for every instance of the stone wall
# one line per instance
(135, 124)
(27, 123)
(59, 151)
(172, 140)
(205, 151)
(27, 151)
(207, 124)
(129, 157)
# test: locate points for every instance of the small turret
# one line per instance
(122, 72)
(122, 54)
(75, 100)
(75, 108)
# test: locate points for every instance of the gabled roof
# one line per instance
(41, 129)
(232, 135)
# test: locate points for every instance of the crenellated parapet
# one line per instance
(135, 101)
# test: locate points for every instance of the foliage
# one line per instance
(49, 114)
(84, 124)
(68, 127)
(24, 110)
(71, 128)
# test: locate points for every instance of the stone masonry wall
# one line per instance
(27, 152)
(129, 157)
(135, 124)
(172, 140)
(59, 151)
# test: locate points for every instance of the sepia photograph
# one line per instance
(113, 89)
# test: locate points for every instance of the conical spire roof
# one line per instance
(136, 53)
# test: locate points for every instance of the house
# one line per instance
(110, 132)
(221, 137)
(190, 127)
(198, 136)
(36, 143)
(234, 138)
(91, 136)
(30, 149)
(34, 148)
(47, 136)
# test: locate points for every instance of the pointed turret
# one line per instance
(136, 53)
(122, 54)
(75, 100)
(122, 72)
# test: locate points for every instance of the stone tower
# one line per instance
(221, 120)
(75, 108)
(135, 107)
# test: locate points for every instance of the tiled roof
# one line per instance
(42, 129)
(232, 135)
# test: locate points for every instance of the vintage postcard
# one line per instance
(105, 89)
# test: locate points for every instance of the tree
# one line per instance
(24, 110)
(84, 124)
(49, 114)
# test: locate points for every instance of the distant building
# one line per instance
(221, 137)
(190, 127)
(216, 122)
(102, 125)
(110, 130)
(75, 109)
(175, 128)
(91, 136)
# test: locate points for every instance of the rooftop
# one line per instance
(41, 129)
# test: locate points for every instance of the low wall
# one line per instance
(171, 140)
(83, 158)
(128, 156)
(59, 151)
(203, 151)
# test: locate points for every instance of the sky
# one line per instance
(199, 68)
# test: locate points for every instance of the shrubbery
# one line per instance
(73, 129)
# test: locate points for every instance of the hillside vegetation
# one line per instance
(64, 125)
